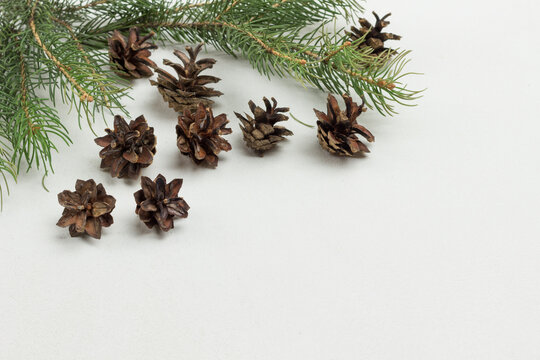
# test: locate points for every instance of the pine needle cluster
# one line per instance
(51, 47)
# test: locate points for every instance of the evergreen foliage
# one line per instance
(50, 47)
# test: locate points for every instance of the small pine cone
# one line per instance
(158, 203)
(189, 89)
(128, 148)
(374, 37)
(337, 130)
(199, 135)
(261, 132)
(86, 210)
(130, 57)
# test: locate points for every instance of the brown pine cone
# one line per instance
(199, 135)
(260, 132)
(189, 89)
(130, 57)
(337, 130)
(87, 209)
(373, 36)
(158, 203)
(128, 148)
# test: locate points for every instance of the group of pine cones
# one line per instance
(130, 147)
(88, 209)
(199, 132)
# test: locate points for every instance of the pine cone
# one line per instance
(337, 129)
(158, 203)
(188, 90)
(199, 135)
(130, 57)
(128, 148)
(373, 35)
(87, 209)
(260, 132)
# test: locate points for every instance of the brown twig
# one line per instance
(335, 52)
(377, 82)
(23, 88)
(181, 25)
(84, 96)
(311, 54)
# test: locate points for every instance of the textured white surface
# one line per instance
(428, 248)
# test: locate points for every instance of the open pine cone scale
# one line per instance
(199, 135)
(128, 148)
(87, 209)
(189, 89)
(158, 203)
(337, 130)
(131, 57)
(260, 130)
(373, 35)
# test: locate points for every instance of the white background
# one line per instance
(428, 248)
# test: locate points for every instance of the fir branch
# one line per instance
(84, 66)
(314, 58)
(333, 53)
(57, 46)
(83, 95)
(29, 125)
(261, 42)
(85, 56)
(338, 69)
